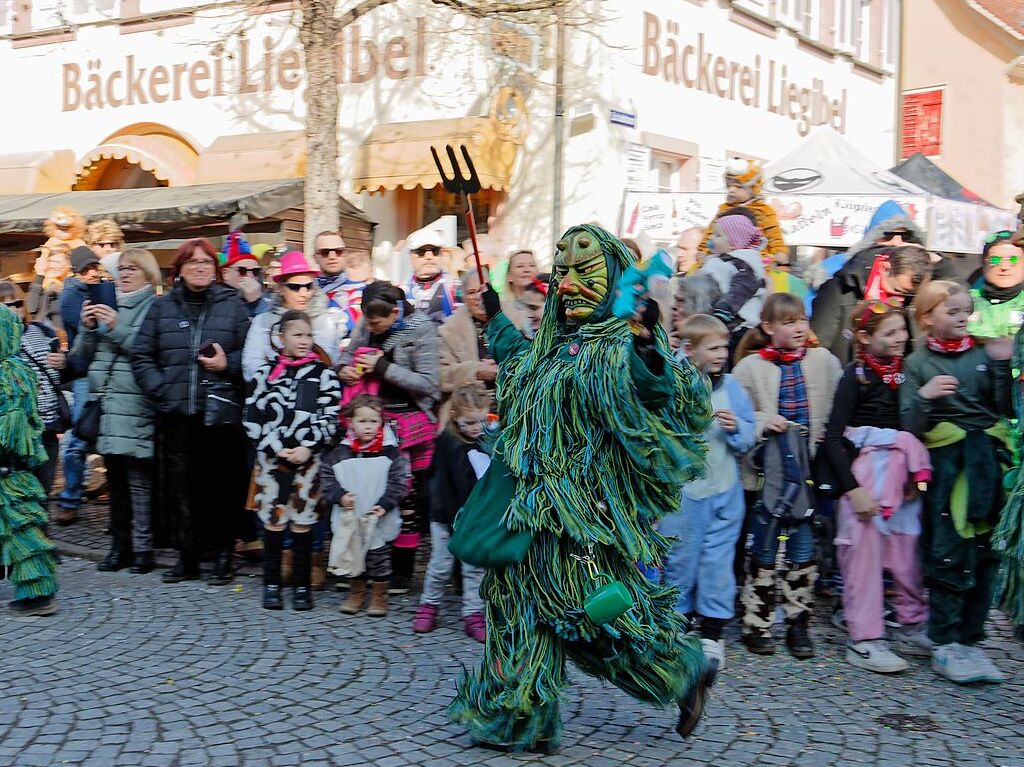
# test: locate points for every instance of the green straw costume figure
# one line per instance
(1008, 536)
(25, 551)
(600, 429)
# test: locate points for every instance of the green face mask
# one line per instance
(580, 272)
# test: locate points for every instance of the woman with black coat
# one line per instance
(188, 361)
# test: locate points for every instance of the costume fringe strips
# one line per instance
(24, 550)
(1008, 536)
(595, 467)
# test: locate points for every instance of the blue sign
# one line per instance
(617, 117)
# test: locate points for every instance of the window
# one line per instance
(760, 7)
(791, 13)
(666, 172)
(862, 31)
(890, 34)
(843, 24)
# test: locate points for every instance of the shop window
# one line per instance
(439, 202)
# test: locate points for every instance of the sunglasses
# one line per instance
(295, 287)
(877, 306)
(1002, 234)
(903, 234)
(424, 249)
(998, 260)
(15, 304)
(324, 252)
(245, 271)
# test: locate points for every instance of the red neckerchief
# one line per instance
(873, 287)
(890, 371)
(290, 362)
(782, 356)
(541, 286)
(950, 346)
(357, 447)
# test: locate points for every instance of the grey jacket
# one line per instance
(126, 417)
(412, 363)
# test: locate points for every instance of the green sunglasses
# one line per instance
(997, 260)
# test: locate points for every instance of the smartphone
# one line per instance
(207, 350)
(103, 293)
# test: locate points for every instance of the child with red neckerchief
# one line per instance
(957, 399)
(791, 382)
(877, 470)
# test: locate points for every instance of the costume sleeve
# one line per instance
(146, 356)
(768, 223)
(399, 476)
(653, 376)
(743, 439)
(330, 490)
(504, 339)
(914, 408)
(834, 448)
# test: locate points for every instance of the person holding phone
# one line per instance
(187, 358)
(125, 439)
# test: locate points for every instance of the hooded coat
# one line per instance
(258, 351)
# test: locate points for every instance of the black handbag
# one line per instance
(87, 427)
(222, 405)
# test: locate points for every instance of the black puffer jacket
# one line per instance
(165, 355)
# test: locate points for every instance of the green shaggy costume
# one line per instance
(24, 549)
(599, 433)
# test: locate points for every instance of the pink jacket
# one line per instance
(886, 459)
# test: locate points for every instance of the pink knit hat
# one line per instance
(293, 262)
(741, 232)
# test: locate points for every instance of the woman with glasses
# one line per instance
(999, 294)
(125, 439)
(187, 358)
(40, 348)
(242, 271)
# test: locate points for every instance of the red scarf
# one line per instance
(890, 370)
(375, 446)
(873, 287)
(782, 356)
(950, 346)
(284, 362)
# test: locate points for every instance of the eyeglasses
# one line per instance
(878, 306)
(106, 244)
(903, 234)
(324, 252)
(998, 260)
(245, 271)
(1002, 234)
(16, 303)
(200, 263)
(295, 287)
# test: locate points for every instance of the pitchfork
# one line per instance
(459, 184)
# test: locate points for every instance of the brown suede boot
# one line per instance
(287, 557)
(65, 517)
(378, 600)
(318, 577)
(356, 595)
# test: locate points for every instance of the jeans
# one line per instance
(699, 564)
(75, 451)
(799, 541)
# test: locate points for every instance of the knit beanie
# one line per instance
(82, 258)
(741, 232)
(745, 173)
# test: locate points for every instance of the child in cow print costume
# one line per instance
(291, 415)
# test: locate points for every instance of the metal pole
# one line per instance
(556, 206)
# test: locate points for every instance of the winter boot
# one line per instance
(798, 593)
(425, 619)
(759, 609)
(302, 545)
(318, 578)
(272, 569)
(356, 596)
(222, 571)
(143, 562)
(475, 627)
(378, 606)
(117, 559)
(185, 569)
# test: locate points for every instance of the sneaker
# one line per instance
(714, 651)
(991, 672)
(39, 606)
(399, 586)
(955, 662)
(425, 620)
(839, 619)
(475, 626)
(874, 655)
(889, 616)
(913, 640)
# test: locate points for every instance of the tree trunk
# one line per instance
(318, 33)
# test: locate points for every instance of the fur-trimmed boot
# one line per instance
(798, 593)
(759, 609)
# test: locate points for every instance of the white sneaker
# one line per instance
(874, 655)
(913, 640)
(992, 673)
(714, 650)
(955, 662)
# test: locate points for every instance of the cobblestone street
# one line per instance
(135, 672)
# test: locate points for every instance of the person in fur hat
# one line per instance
(743, 181)
(107, 241)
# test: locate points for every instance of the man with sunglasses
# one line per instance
(331, 256)
(999, 294)
(430, 290)
(242, 272)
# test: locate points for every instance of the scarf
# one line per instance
(873, 287)
(128, 297)
(995, 295)
(890, 371)
(284, 362)
(375, 446)
(422, 292)
(782, 356)
(950, 346)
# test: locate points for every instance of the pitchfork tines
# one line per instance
(458, 183)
